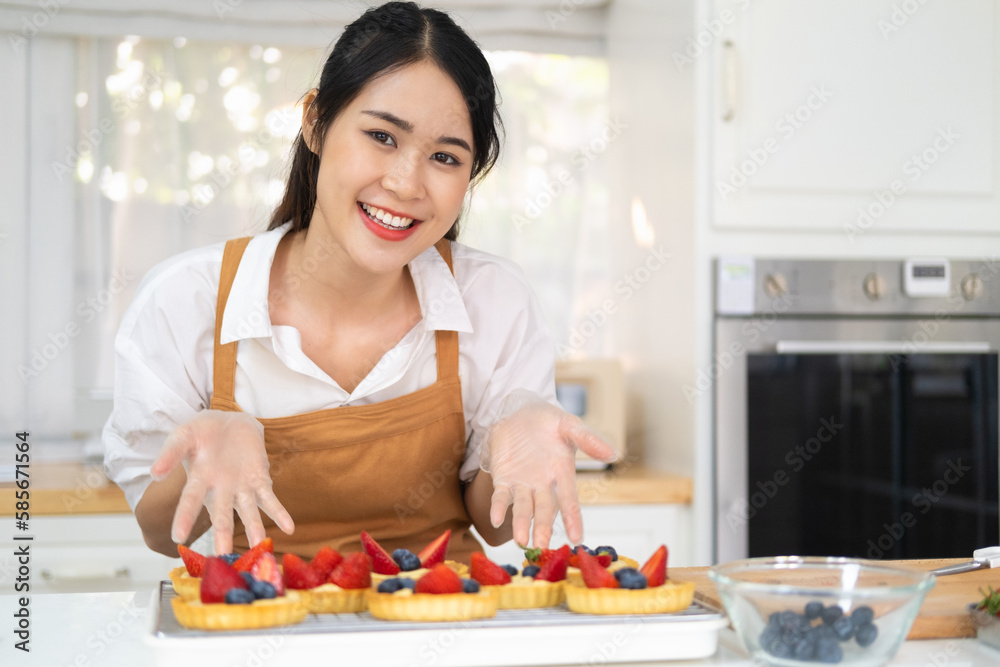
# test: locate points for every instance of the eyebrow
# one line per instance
(407, 126)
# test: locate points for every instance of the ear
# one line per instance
(310, 115)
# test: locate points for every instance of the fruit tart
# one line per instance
(186, 579)
(627, 590)
(331, 583)
(404, 561)
(231, 600)
(532, 588)
(439, 595)
(608, 558)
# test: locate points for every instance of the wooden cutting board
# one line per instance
(944, 612)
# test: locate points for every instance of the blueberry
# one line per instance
(390, 585)
(247, 577)
(263, 590)
(629, 577)
(828, 650)
(843, 628)
(779, 649)
(610, 551)
(813, 610)
(239, 596)
(789, 618)
(804, 649)
(862, 615)
(406, 582)
(770, 633)
(406, 560)
(531, 571)
(865, 634)
(774, 619)
(470, 586)
(230, 558)
(511, 570)
(831, 614)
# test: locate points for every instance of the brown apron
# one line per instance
(388, 468)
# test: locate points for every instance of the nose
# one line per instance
(404, 177)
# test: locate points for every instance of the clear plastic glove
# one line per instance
(227, 468)
(531, 455)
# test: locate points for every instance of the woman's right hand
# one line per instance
(227, 469)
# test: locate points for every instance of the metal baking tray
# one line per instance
(551, 636)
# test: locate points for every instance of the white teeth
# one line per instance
(387, 220)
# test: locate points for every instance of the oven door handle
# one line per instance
(880, 347)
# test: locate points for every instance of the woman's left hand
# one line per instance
(531, 455)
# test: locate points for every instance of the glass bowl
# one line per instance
(805, 611)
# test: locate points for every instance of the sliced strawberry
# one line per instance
(434, 552)
(441, 579)
(594, 576)
(217, 579)
(554, 568)
(298, 574)
(603, 559)
(266, 569)
(325, 560)
(354, 571)
(539, 556)
(382, 562)
(245, 562)
(193, 561)
(655, 568)
(487, 572)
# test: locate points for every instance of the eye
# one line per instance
(444, 158)
(383, 138)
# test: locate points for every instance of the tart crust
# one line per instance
(539, 594)
(332, 599)
(428, 607)
(285, 610)
(669, 598)
(186, 586)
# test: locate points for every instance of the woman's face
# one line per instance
(394, 168)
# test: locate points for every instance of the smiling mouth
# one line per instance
(386, 219)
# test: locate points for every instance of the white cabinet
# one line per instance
(857, 116)
(86, 553)
(633, 530)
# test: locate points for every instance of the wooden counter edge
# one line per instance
(66, 488)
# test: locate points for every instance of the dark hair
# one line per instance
(385, 38)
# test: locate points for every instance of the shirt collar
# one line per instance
(247, 316)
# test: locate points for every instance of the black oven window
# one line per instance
(872, 456)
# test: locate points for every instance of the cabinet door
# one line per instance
(857, 115)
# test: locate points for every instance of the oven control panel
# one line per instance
(926, 277)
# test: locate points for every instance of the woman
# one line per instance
(351, 368)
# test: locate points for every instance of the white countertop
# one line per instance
(98, 629)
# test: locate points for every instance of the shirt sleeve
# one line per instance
(163, 353)
(505, 310)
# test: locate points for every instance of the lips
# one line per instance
(387, 225)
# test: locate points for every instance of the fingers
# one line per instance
(545, 516)
(274, 509)
(175, 450)
(246, 508)
(221, 510)
(523, 510)
(587, 441)
(569, 505)
(188, 508)
(499, 501)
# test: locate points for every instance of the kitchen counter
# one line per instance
(107, 629)
(76, 488)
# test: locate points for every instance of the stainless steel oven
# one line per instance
(855, 407)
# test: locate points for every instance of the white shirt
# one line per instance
(164, 350)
